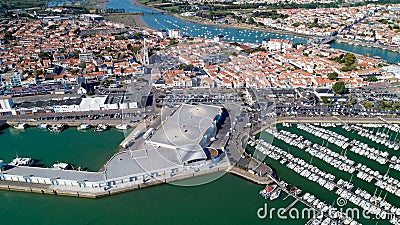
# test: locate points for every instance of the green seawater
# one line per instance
(227, 200)
(87, 149)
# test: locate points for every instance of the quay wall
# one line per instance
(89, 192)
(71, 123)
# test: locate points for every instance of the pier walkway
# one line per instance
(314, 211)
(291, 205)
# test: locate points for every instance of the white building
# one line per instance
(11, 79)
(6, 104)
(396, 40)
(188, 130)
(276, 44)
(174, 33)
(86, 57)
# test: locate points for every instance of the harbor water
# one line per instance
(87, 149)
(228, 200)
(164, 21)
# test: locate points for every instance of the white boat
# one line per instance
(101, 127)
(21, 162)
(266, 192)
(275, 195)
(83, 126)
(61, 166)
(57, 128)
(122, 126)
(20, 126)
(43, 126)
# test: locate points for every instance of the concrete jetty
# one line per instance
(86, 189)
(250, 176)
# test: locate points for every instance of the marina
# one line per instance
(165, 21)
(306, 149)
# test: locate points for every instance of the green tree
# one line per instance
(82, 65)
(333, 76)
(349, 59)
(251, 20)
(371, 79)
(8, 36)
(75, 54)
(38, 72)
(368, 105)
(77, 31)
(137, 35)
(339, 88)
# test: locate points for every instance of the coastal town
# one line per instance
(308, 123)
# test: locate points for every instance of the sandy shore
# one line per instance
(155, 9)
(139, 21)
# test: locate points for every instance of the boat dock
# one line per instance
(287, 196)
(291, 205)
(316, 211)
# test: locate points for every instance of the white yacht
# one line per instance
(122, 126)
(57, 128)
(83, 126)
(43, 126)
(21, 162)
(20, 126)
(101, 127)
(275, 195)
(61, 166)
